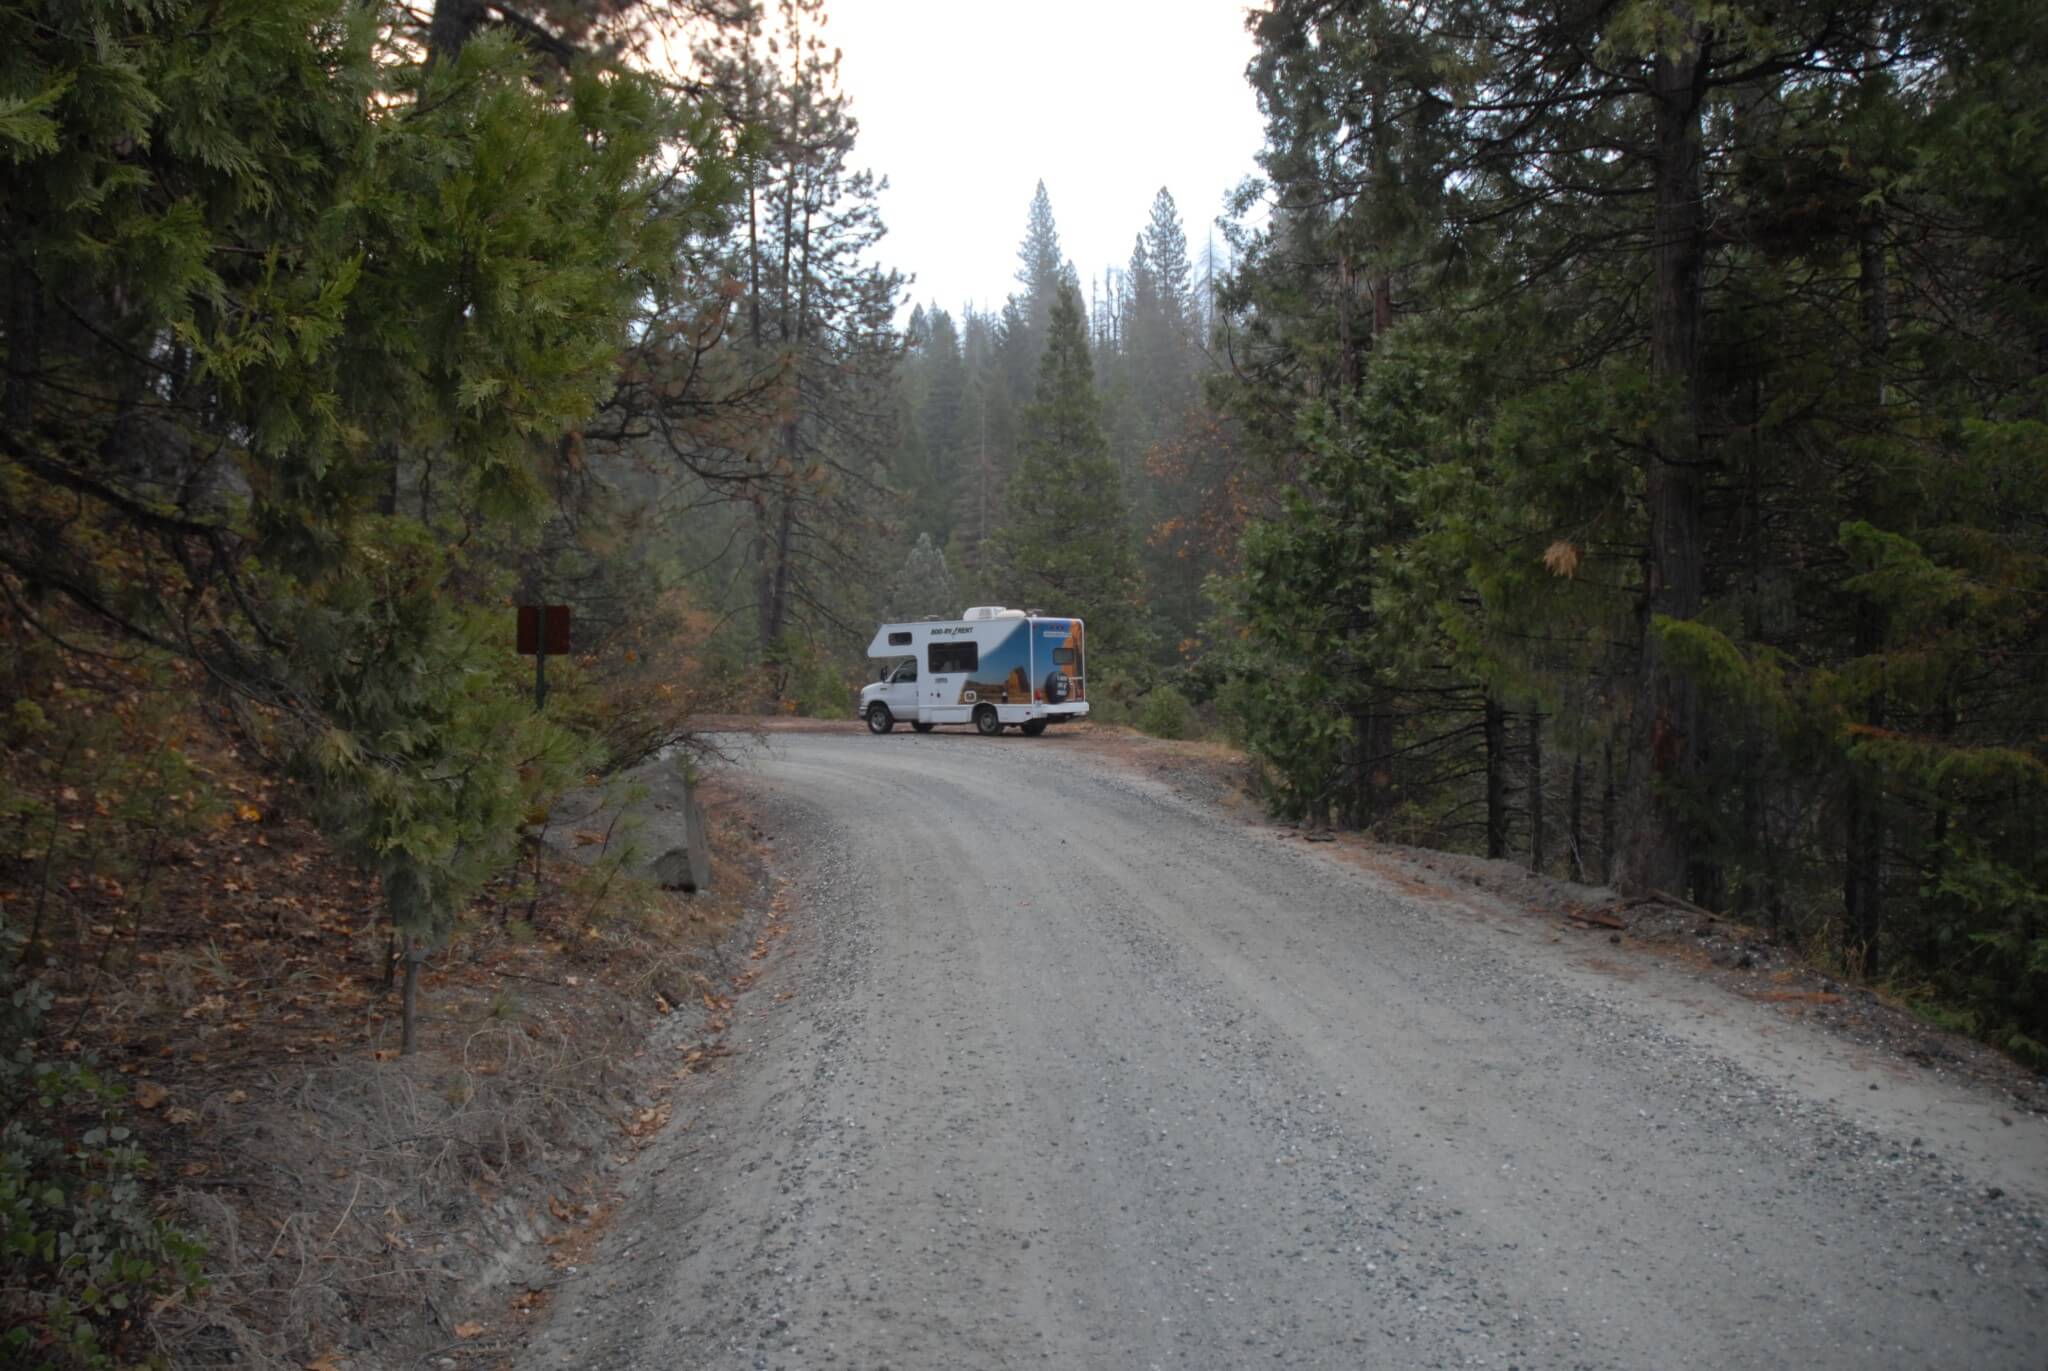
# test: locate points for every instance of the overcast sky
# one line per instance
(965, 104)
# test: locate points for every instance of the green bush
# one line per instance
(1166, 713)
(808, 681)
(82, 1250)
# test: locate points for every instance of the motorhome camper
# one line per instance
(992, 668)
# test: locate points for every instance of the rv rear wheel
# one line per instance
(1031, 728)
(924, 727)
(880, 720)
(986, 722)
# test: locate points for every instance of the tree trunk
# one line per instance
(1862, 877)
(775, 603)
(408, 1000)
(1379, 761)
(1863, 860)
(1664, 756)
(454, 23)
(1576, 855)
(24, 349)
(1496, 778)
(1355, 803)
(1535, 791)
(1607, 802)
(795, 308)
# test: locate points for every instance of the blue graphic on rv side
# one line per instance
(1003, 675)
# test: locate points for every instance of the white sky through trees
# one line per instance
(965, 104)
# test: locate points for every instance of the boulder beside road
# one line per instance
(649, 815)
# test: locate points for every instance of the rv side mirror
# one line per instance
(882, 673)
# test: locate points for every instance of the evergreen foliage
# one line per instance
(1600, 354)
(298, 311)
(1066, 546)
(1652, 388)
(815, 332)
(924, 587)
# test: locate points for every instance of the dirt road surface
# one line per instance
(1057, 1069)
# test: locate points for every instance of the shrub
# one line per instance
(82, 1250)
(1166, 713)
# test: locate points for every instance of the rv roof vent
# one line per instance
(1010, 614)
(983, 612)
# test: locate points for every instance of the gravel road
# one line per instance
(1056, 1069)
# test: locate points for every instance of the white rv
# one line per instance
(991, 667)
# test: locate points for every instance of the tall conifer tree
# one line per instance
(1066, 546)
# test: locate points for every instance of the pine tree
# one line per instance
(1065, 547)
(923, 587)
(1693, 526)
(817, 327)
(315, 251)
(1041, 267)
(1166, 245)
(939, 417)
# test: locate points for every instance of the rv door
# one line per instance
(901, 694)
(949, 665)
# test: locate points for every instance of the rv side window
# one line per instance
(906, 672)
(899, 640)
(945, 657)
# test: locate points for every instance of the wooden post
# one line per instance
(542, 629)
(540, 670)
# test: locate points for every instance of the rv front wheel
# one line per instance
(880, 720)
(986, 723)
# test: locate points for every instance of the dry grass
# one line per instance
(359, 1207)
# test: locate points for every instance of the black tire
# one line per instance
(1031, 728)
(880, 720)
(924, 728)
(987, 722)
(1057, 687)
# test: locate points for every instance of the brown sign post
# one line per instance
(543, 631)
